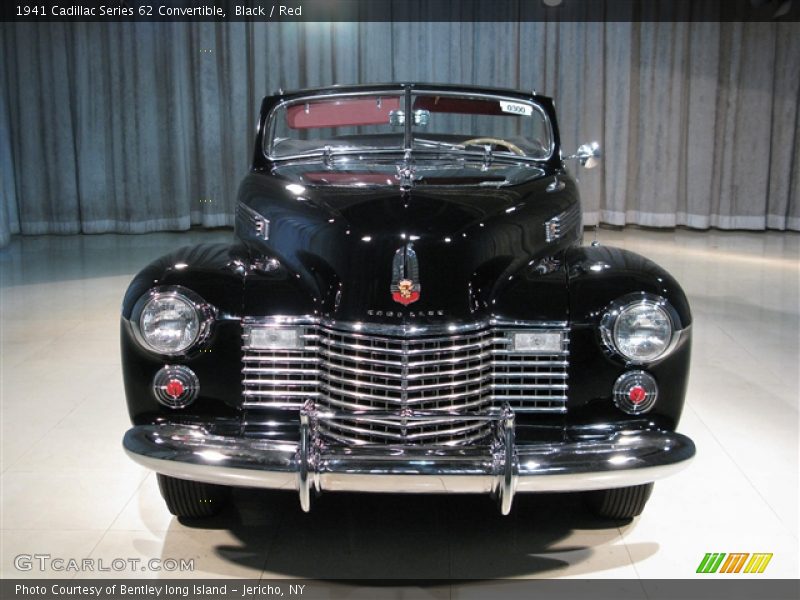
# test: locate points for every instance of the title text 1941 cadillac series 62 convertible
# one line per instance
(407, 308)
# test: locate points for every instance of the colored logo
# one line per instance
(405, 286)
(741, 562)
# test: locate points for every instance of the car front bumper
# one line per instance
(503, 468)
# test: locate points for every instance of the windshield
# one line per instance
(443, 123)
(338, 123)
(480, 123)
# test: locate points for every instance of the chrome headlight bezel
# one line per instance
(205, 313)
(610, 320)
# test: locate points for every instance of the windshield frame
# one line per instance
(408, 150)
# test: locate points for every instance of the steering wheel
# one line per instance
(478, 141)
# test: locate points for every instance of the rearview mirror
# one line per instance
(588, 154)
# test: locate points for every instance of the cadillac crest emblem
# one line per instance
(405, 287)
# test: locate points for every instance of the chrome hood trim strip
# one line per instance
(397, 330)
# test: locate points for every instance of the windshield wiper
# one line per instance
(439, 144)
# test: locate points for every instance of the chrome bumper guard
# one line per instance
(501, 468)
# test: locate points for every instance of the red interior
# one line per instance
(375, 110)
(464, 106)
(342, 112)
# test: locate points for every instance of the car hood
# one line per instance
(469, 245)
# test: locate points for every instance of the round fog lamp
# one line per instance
(635, 392)
(176, 386)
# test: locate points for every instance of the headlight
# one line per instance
(171, 320)
(641, 330)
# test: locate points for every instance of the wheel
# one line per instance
(192, 499)
(619, 503)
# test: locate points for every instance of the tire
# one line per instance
(619, 503)
(192, 499)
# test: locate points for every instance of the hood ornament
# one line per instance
(405, 176)
(406, 173)
(405, 286)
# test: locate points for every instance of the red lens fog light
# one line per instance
(176, 386)
(635, 392)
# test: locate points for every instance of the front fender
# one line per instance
(597, 276)
(211, 270)
(222, 274)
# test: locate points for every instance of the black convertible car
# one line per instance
(407, 307)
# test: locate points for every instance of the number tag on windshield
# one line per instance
(515, 108)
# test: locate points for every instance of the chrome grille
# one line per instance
(281, 378)
(365, 372)
(398, 375)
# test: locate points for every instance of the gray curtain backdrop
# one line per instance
(133, 127)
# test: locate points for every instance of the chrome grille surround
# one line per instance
(386, 377)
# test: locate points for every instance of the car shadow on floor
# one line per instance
(392, 537)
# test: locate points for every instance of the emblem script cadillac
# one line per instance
(405, 276)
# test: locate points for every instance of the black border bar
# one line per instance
(550, 589)
(40, 11)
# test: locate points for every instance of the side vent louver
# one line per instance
(561, 224)
(249, 220)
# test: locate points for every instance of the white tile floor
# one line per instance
(68, 490)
